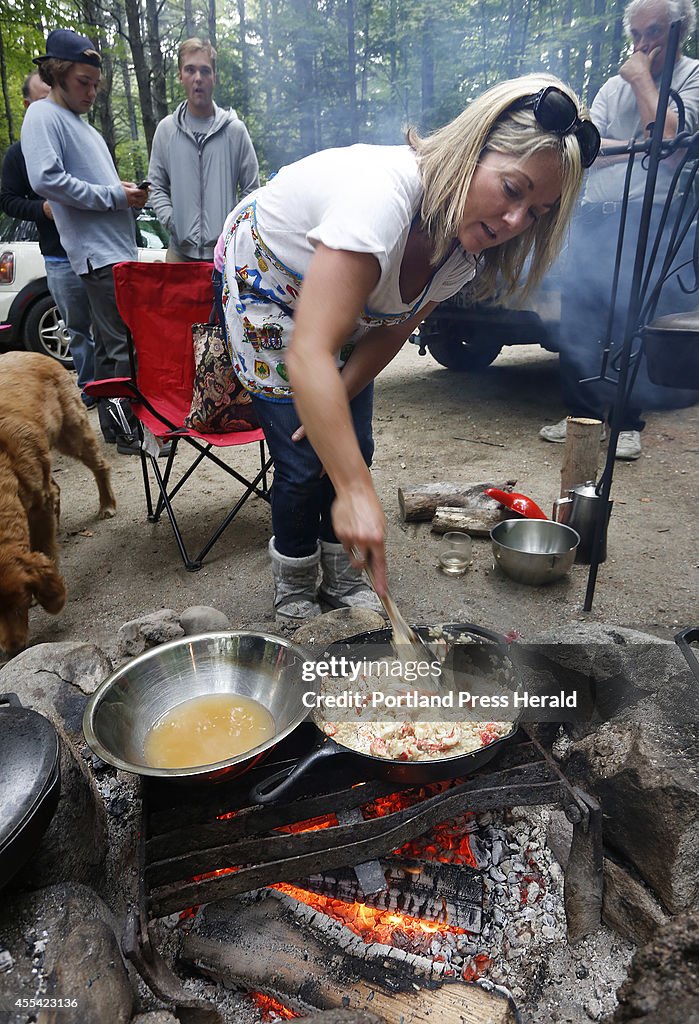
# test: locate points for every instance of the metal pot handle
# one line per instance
(683, 640)
(10, 698)
(269, 790)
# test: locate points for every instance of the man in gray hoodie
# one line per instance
(202, 161)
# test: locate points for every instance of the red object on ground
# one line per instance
(517, 502)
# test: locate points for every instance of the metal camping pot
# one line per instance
(579, 511)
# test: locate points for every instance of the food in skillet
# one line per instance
(416, 741)
(391, 733)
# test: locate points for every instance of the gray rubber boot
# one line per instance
(295, 587)
(342, 585)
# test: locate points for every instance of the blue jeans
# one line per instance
(70, 296)
(301, 497)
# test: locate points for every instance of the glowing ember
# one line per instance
(371, 925)
(311, 825)
(478, 965)
(271, 1009)
(189, 913)
(446, 843)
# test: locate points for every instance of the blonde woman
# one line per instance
(332, 265)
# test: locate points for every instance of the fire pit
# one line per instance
(207, 844)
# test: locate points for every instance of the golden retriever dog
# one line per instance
(40, 409)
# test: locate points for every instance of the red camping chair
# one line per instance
(159, 302)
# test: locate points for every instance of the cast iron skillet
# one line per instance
(31, 782)
(489, 646)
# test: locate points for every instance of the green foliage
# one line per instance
(291, 78)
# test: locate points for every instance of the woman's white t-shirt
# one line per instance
(359, 199)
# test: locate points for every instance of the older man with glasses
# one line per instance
(623, 109)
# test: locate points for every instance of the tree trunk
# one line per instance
(566, 49)
(597, 71)
(526, 22)
(366, 58)
(138, 169)
(190, 28)
(5, 96)
(509, 60)
(427, 71)
(156, 61)
(484, 23)
(212, 22)
(305, 84)
(267, 54)
(141, 69)
(244, 60)
(103, 101)
(617, 39)
(392, 30)
(578, 79)
(352, 74)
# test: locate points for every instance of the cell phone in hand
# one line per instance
(143, 184)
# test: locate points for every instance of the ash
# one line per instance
(523, 945)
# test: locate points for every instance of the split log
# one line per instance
(265, 946)
(418, 502)
(581, 452)
(476, 522)
(448, 893)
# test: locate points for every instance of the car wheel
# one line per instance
(45, 332)
(458, 353)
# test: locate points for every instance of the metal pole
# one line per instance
(621, 398)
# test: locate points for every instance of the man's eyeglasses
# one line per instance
(556, 112)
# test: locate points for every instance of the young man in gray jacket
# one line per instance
(202, 161)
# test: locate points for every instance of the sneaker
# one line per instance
(128, 445)
(629, 445)
(557, 432)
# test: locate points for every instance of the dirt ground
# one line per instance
(430, 424)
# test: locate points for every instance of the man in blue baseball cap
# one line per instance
(69, 164)
(64, 44)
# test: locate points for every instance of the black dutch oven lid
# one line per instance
(29, 754)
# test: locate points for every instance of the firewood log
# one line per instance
(477, 522)
(418, 502)
(581, 452)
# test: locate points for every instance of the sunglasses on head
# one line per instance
(556, 112)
